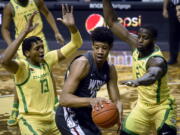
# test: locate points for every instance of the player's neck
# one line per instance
(146, 52)
(23, 4)
(33, 62)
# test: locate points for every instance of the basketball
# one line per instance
(107, 116)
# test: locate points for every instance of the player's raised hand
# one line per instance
(67, 16)
(30, 26)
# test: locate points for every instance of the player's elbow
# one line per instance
(63, 100)
(3, 61)
(152, 79)
(79, 42)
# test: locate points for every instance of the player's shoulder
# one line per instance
(80, 66)
(81, 63)
(82, 60)
(156, 61)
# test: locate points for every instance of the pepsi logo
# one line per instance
(93, 21)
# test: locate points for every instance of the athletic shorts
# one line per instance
(46, 49)
(69, 125)
(145, 117)
(31, 126)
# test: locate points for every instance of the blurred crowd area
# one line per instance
(101, 0)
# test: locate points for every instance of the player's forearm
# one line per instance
(70, 100)
(74, 44)
(120, 108)
(10, 52)
(165, 4)
(52, 22)
(109, 14)
(6, 36)
(147, 79)
(111, 19)
(73, 29)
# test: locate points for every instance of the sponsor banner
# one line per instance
(120, 58)
(95, 20)
(136, 15)
(115, 5)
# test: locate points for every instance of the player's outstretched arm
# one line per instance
(7, 56)
(50, 19)
(76, 40)
(112, 21)
(156, 68)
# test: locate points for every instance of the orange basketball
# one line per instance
(107, 116)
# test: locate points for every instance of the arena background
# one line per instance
(132, 15)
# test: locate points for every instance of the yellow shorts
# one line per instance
(145, 117)
(31, 126)
(46, 49)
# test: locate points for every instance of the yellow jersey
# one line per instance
(34, 86)
(21, 16)
(155, 93)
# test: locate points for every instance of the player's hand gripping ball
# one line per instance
(107, 116)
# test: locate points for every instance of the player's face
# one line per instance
(36, 53)
(100, 51)
(145, 40)
(178, 12)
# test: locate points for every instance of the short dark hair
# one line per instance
(151, 29)
(27, 43)
(102, 34)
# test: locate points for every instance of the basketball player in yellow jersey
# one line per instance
(34, 83)
(19, 11)
(155, 107)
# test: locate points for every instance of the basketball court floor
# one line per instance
(128, 94)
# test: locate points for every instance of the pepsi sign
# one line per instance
(93, 21)
(96, 20)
